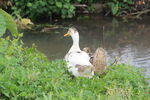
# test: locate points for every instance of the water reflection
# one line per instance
(127, 40)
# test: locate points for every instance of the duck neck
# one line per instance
(75, 46)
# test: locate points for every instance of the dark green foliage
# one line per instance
(45, 8)
(42, 8)
(119, 7)
(34, 9)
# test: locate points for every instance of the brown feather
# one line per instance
(99, 61)
(85, 70)
(82, 68)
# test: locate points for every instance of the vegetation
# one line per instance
(31, 76)
(6, 22)
(118, 6)
(25, 73)
(129, 8)
(39, 8)
(35, 9)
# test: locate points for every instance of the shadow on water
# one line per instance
(128, 40)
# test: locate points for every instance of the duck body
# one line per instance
(78, 62)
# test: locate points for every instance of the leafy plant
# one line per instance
(6, 22)
(119, 6)
(35, 9)
(39, 8)
(25, 73)
(2, 25)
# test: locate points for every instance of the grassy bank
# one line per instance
(26, 74)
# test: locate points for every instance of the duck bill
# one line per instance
(67, 34)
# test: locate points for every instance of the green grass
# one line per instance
(26, 74)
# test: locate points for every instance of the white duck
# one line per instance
(78, 62)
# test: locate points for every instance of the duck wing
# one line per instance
(78, 57)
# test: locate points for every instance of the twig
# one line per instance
(135, 14)
(80, 5)
(139, 12)
(108, 13)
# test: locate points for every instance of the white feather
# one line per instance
(77, 57)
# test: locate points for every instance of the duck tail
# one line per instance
(99, 61)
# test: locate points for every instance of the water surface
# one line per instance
(130, 41)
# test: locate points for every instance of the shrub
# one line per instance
(39, 8)
(45, 8)
(118, 7)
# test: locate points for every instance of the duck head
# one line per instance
(75, 37)
(71, 32)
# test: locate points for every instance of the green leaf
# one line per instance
(79, 1)
(130, 2)
(59, 4)
(66, 6)
(67, 0)
(64, 11)
(10, 23)
(2, 25)
(114, 8)
(124, 0)
(29, 4)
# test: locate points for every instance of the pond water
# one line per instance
(130, 41)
